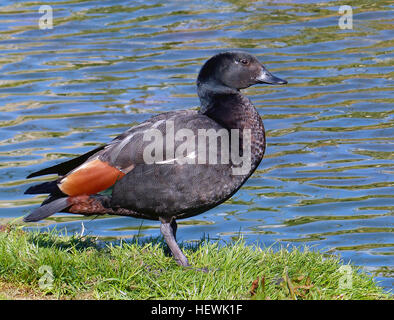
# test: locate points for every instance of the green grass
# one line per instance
(82, 268)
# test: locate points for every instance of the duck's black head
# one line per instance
(228, 72)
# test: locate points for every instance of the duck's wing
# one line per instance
(101, 167)
(189, 182)
(112, 163)
(63, 168)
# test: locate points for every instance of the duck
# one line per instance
(176, 164)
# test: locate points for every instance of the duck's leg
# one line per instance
(168, 230)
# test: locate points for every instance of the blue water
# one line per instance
(327, 178)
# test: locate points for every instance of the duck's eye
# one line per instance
(244, 61)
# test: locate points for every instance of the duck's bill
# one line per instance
(267, 77)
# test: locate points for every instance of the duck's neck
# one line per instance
(232, 110)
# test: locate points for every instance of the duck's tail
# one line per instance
(47, 209)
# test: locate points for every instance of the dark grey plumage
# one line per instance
(166, 190)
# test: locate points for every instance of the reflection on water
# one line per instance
(326, 180)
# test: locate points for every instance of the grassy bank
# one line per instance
(48, 266)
